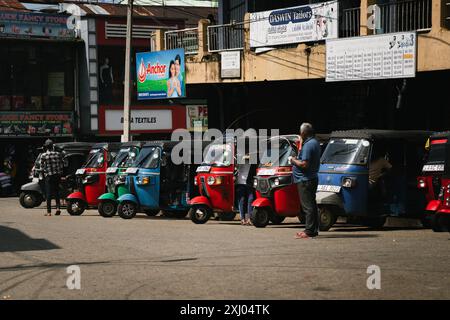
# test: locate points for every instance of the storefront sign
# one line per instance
(36, 123)
(161, 74)
(230, 64)
(197, 117)
(294, 25)
(144, 119)
(25, 24)
(372, 57)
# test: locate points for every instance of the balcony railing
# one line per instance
(226, 37)
(185, 38)
(409, 15)
(350, 25)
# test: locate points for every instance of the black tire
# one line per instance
(227, 216)
(260, 217)
(30, 200)
(327, 218)
(127, 210)
(75, 207)
(440, 223)
(107, 209)
(175, 214)
(151, 213)
(276, 219)
(200, 214)
(374, 222)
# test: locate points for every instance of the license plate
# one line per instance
(433, 167)
(80, 171)
(266, 172)
(204, 169)
(328, 188)
(111, 170)
(132, 170)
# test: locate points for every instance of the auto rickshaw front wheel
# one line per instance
(260, 217)
(107, 209)
(75, 207)
(30, 200)
(200, 214)
(440, 223)
(276, 218)
(127, 210)
(327, 218)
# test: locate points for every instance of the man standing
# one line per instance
(305, 169)
(52, 168)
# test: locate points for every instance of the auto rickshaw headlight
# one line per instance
(143, 180)
(255, 183)
(348, 182)
(119, 179)
(89, 179)
(421, 184)
(276, 182)
(211, 180)
(195, 181)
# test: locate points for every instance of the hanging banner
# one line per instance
(294, 25)
(36, 123)
(161, 74)
(29, 25)
(372, 57)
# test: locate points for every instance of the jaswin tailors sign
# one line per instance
(161, 74)
(294, 25)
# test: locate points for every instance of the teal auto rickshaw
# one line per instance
(116, 178)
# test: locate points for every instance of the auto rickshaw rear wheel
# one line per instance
(176, 214)
(75, 207)
(107, 209)
(327, 218)
(200, 214)
(440, 223)
(127, 210)
(227, 216)
(260, 217)
(151, 213)
(276, 218)
(30, 200)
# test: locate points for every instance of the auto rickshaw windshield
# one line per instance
(346, 151)
(148, 158)
(437, 154)
(219, 155)
(95, 159)
(284, 148)
(125, 158)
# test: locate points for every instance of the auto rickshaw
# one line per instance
(91, 178)
(215, 180)
(276, 195)
(368, 175)
(435, 182)
(116, 178)
(156, 183)
(74, 154)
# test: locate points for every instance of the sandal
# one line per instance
(301, 235)
(47, 215)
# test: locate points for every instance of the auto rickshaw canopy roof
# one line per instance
(376, 134)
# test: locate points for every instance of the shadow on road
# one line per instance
(12, 240)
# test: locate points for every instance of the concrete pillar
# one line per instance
(246, 32)
(437, 7)
(203, 38)
(159, 40)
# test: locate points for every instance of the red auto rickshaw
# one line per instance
(91, 178)
(276, 194)
(216, 180)
(435, 181)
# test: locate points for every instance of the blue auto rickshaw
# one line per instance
(368, 175)
(157, 183)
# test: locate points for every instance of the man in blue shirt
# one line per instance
(304, 171)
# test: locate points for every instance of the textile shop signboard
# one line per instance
(372, 57)
(29, 25)
(25, 124)
(312, 22)
(161, 74)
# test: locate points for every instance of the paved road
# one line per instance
(160, 258)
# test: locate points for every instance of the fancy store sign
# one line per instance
(141, 120)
